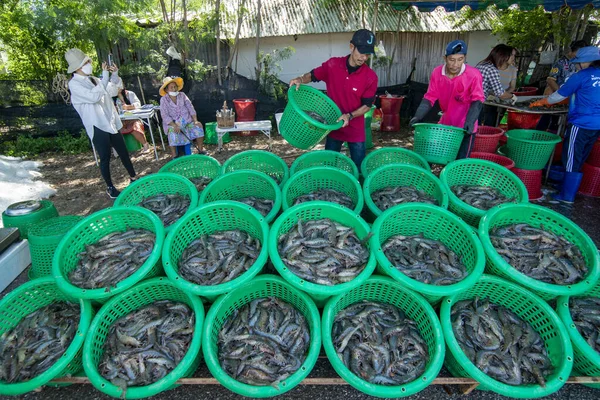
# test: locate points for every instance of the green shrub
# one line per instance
(30, 146)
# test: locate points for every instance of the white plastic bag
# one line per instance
(380, 50)
(548, 56)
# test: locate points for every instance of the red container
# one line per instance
(390, 107)
(532, 181)
(497, 158)
(526, 91)
(594, 157)
(590, 184)
(486, 139)
(245, 111)
(522, 120)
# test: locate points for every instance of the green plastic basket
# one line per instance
(244, 183)
(587, 359)
(44, 238)
(262, 286)
(537, 216)
(324, 158)
(531, 149)
(393, 175)
(154, 184)
(434, 223)
(475, 172)
(28, 298)
(193, 166)
(437, 143)
(385, 290)
(531, 309)
(141, 295)
(297, 127)
(25, 222)
(315, 178)
(210, 134)
(318, 210)
(204, 220)
(391, 155)
(259, 160)
(93, 228)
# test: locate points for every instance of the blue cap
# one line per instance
(456, 47)
(586, 54)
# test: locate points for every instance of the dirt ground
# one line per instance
(81, 190)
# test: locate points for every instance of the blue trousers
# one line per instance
(577, 146)
(357, 149)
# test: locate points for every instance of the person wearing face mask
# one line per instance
(583, 128)
(179, 117)
(458, 88)
(98, 113)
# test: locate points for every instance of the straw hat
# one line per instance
(76, 59)
(168, 80)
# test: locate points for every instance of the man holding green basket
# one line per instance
(351, 84)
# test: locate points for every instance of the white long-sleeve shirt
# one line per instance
(93, 104)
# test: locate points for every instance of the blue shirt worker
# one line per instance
(583, 127)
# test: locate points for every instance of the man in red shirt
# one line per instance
(351, 84)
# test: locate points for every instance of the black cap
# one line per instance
(364, 40)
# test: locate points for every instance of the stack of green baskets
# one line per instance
(210, 134)
(90, 230)
(394, 175)
(297, 127)
(44, 238)
(28, 298)
(141, 295)
(259, 160)
(194, 166)
(155, 184)
(310, 211)
(244, 183)
(475, 172)
(385, 290)
(531, 309)
(324, 158)
(531, 149)
(434, 223)
(587, 359)
(391, 155)
(437, 143)
(205, 220)
(260, 287)
(25, 222)
(544, 218)
(315, 178)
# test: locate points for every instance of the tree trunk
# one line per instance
(186, 31)
(374, 29)
(163, 7)
(258, 21)
(396, 43)
(233, 52)
(584, 22)
(218, 13)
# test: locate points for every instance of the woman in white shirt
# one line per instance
(98, 113)
(129, 101)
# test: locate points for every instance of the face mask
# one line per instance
(173, 94)
(87, 69)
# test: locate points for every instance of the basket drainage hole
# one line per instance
(285, 269)
(569, 359)
(303, 368)
(568, 287)
(560, 378)
(282, 383)
(449, 301)
(424, 378)
(403, 390)
(302, 282)
(103, 385)
(573, 326)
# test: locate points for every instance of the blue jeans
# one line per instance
(357, 149)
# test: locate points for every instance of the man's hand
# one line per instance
(540, 103)
(296, 82)
(344, 118)
(104, 66)
(413, 121)
(113, 68)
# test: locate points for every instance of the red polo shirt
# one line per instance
(346, 90)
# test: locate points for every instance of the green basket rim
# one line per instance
(230, 175)
(420, 287)
(171, 268)
(524, 280)
(413, 168)
(332, 153)
(363, 164)
(371, 389)
(170, 175)
(332, 172)
(555, 138)
(296, 107)
(100, 294)
(310, 287)
(85, 319)
(190, 159)
(449, 127)
(230, 160)
(169, 380)
(527, 391)
(489, 164)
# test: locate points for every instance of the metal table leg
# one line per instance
(220, 141)
(160, 131)
(267, 133)
(152, 136)
(562, 119)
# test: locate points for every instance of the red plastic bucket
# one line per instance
(590, 184)
(526, 91)
(245, 111)
(522, 120)
(486, 139)
(532, 181)
(390, 107)
(497, 158)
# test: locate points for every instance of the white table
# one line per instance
(263, 126)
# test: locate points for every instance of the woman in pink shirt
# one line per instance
(458, 88)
